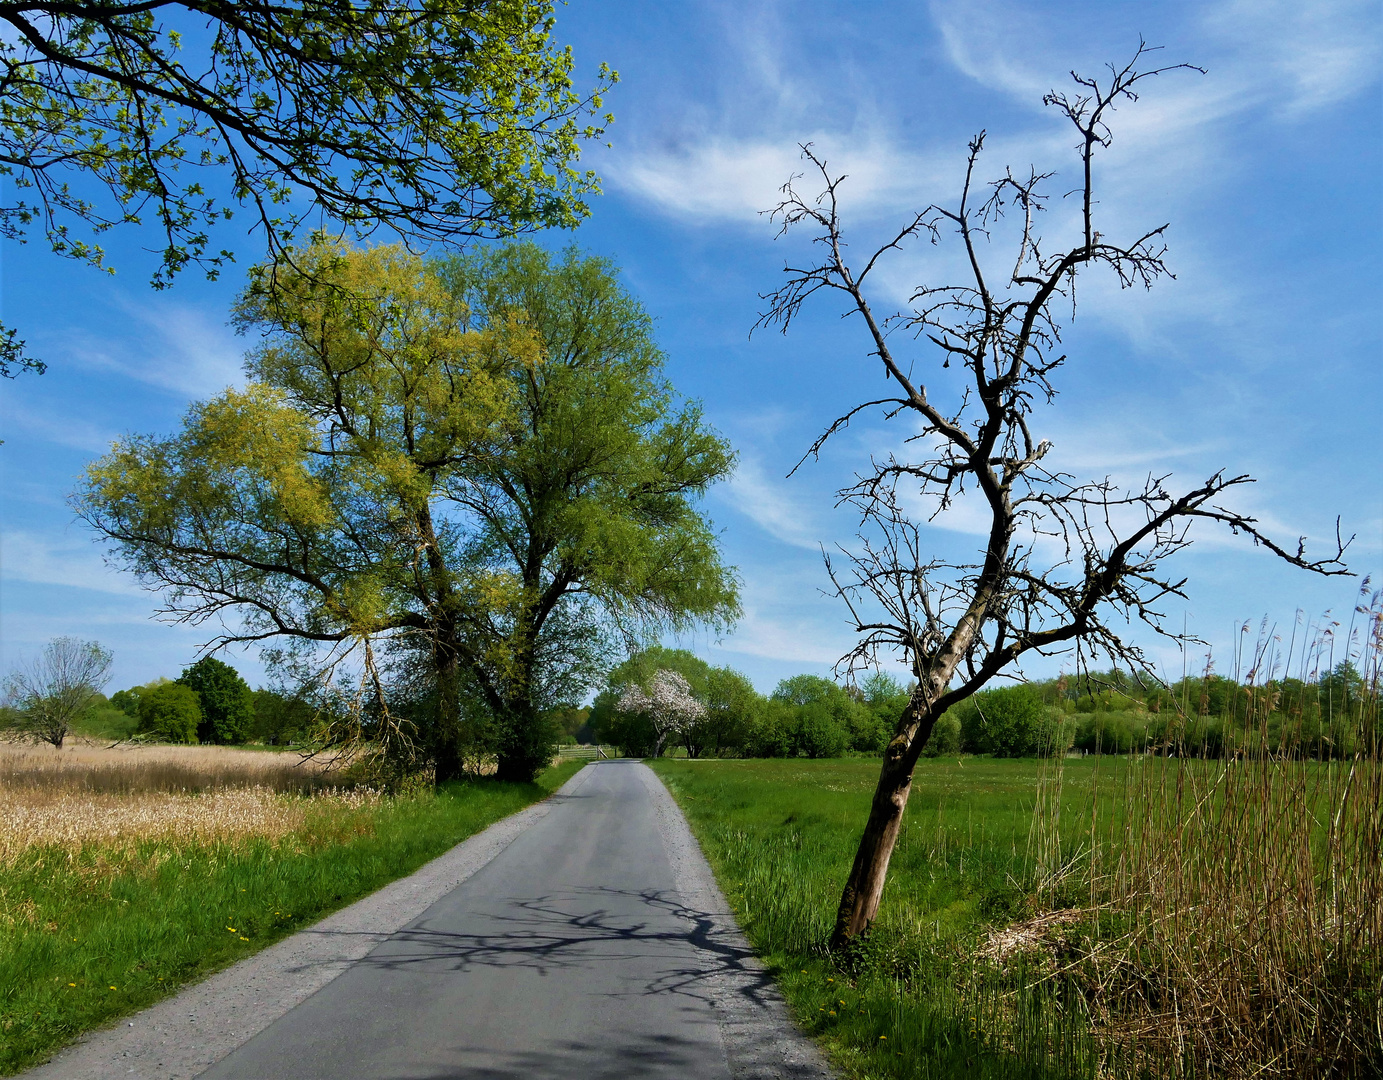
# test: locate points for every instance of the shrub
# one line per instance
(226, 700)
(946, 737)
(170, 713)
(1006, 722)
(818, 733)
(770, 732)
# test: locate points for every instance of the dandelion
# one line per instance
(243, 938)
(112, 988)
(71, 984)
(882, 1038)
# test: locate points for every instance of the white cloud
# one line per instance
(62, 430)
(767, 502)
(185, 350)
(50, 560)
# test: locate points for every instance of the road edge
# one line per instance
(185, 1034)
(762, 1041)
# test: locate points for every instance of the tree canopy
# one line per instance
(225, 698)
(475, 465)
(438, 119)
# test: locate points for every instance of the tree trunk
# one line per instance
(859, 902)
(446, 755)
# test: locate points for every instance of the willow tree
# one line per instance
(438, 120)
(475, 466)
(1064, 561)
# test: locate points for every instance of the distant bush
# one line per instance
(279, 719)
(946, 737)
(1110, 732)
(1007, 722)
(170, 713)
(818, 732)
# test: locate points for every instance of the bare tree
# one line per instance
(47, 695)
(1065, 561)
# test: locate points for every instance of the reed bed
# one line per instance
(1234, 908)
(131, 769)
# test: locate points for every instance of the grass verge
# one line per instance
(87, 936)
(919, 1000)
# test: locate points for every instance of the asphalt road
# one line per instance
(595, 945)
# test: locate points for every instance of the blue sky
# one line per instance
(1263, 356)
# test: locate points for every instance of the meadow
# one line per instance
(1080, 917)
(125, 873)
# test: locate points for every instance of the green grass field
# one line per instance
(915, 1003)
(91, 936)
(1228, 926)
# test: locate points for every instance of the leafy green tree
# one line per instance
(127, 701)
(732, 705)
(439, 120)
(281, 719)
(226, 700)
(475, 467)
(170, 713)
(824, 714)
(45, 697)
(1005, 722)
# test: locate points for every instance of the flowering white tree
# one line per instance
(668, 703)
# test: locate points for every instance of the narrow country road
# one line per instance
(594, 945)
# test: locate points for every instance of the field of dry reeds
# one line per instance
(1235, 906)
(93, 795)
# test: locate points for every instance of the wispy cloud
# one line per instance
(53, 560)
(768, 502)
(62, 429)
(185, 350)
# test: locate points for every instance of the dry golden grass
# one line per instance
(127, 769)
(70, 821)
(115, 797)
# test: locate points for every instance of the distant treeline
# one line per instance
(1110, 712)
(208, 703)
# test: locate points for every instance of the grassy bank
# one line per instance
(1003, 949)
(102, 921)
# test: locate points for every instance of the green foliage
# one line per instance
(170, 713)
(226, 701)
(105, 722)
(825, 718)
(439, 121)
(281, 719)
(483, 470)
(947, 739)
(1010, 721)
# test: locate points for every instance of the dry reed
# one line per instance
(115, 798)
(1237, 907)
(127, 769)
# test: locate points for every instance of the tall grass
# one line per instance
(131, 770)
(1238, 904)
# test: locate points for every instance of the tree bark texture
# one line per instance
(864, 888)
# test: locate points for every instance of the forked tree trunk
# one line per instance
(859, 903)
